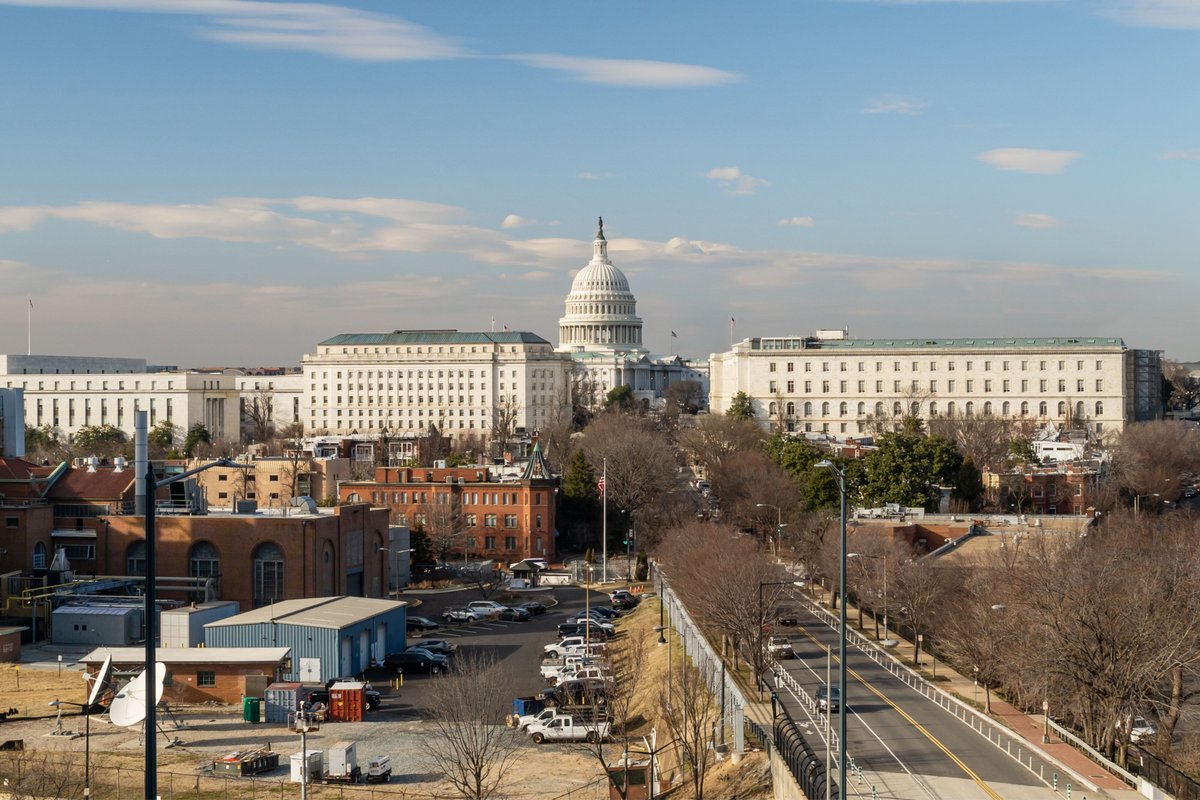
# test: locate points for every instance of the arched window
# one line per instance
(1062, 408)
(987, 408)
(39, 556)
(268, 574)
(204, 561)
(897, 409)
(791, 409)
(862, 409)
(914, 409)
(1099, 409)
(933, 408)
(808, 409)
(844, 408)
(879, 409)
(824, 409)
(1079, 412)
(950, 409)
(135, 558)
(772, 408)
(1024, 409)
(1043, 409)
(1005, 409)
(970, 411)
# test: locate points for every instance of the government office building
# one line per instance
(833, 384)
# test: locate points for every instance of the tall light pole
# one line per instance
(843, 700)
(396, 574)
(151, 490)
(1137, 502)
(778, 525)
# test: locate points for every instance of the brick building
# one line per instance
(259, 558)
(202, 674)
(507, 518)
(1063, 489)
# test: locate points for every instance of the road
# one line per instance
(517, 645)
(909, 746)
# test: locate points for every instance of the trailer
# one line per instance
(341, 764)
(246, 762)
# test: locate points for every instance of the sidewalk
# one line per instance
(1028, 727)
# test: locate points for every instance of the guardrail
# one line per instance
(1093, 753)
(1045, 766)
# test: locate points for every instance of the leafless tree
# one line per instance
(750, 487)
(625, 659)
(717, 437)
(296, 459)
(505, 415)
(557, 435)
(258, 412)
(443, 524)
(1185, 389)
(641, 462)
(983, 438)
(1151, 457)
(691, 714)
(484, 578)
(470, 745)
(920, 590)
(37, 775)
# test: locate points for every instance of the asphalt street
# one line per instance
(899, 736)
(516, 645)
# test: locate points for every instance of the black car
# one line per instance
(421, 624)
(515, 614)
(584, 691)
(597, 634)
(374, 698)
(534, 608)
(416, 661)
(624, 601)
(787, 616)
(606, 612)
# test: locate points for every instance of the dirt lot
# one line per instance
(30, 689)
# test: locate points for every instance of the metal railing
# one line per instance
(1041, 764)
(1092, 753)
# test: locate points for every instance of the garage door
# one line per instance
(344, 657)
(364, 650)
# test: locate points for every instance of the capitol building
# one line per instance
(602, 334)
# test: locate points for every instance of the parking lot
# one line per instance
(517, 645)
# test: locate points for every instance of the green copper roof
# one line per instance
(436, 337)
(999, 343)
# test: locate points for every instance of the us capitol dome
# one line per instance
(600, 310)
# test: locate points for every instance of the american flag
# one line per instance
(600, 484)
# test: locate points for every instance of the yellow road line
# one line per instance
(970, 772)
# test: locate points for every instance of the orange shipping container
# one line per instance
(347, 701)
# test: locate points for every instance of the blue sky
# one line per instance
(231, 181)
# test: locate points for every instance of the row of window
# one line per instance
(951, 366)
(41, 407)
(880, 409)
(952, 385)
(409, 350)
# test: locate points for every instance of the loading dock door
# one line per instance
(380, 642)
(364, 649)
(344, 657)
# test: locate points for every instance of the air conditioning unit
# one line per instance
(439, 464)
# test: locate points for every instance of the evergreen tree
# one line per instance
(742, 407)
(580, 508)
(196, 435)
(968, 484)
(904, 466)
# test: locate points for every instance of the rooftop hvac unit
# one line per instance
(439, 464)
(119, 464)
(306, 503)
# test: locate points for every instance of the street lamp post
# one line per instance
(1137, 502)
(87, 740)
(396, 573)
(1045, 722)
(778, 525)
(662, 604)
(843, 700)
(587, 609)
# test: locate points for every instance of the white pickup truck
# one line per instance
(565, 728)
(553, 668)
(780, 647)
(572, 645)
(574, 671)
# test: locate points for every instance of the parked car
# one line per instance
(533, 607)
(417, 660)
(421, 624)
(605, 611)
(439, 647)
(829, 698)
(787, 616)
(464, 615)
(374, 698)
(596, 623)
(514, 614)
(624, 601)
(568, 729)
(585, 691)
(591, 629)
(488, 607)
(573, 645)
(1141, 730)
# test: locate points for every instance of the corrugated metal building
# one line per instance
(184, 627)
(114, 625)
(329, 636)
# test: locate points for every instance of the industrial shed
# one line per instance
(329, 636)
(96, 624)
(201, 674)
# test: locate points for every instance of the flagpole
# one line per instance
(604, 526)
(29, 328)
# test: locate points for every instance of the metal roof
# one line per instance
(316, 612)
(995, 342)
(190, 655)
(437, 337)
(98, 611)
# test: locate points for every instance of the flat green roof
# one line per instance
(436, 337)
(1004, 343)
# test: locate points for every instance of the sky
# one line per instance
(230, 182)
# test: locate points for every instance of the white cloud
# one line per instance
(590, 176)
(516, 221)
(735, 181)
(636, 73)
(799, 222)
(1024, 159)
(894, 104)
(1183, 14)
(1039, 222)
(1182, 155)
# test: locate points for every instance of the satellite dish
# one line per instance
(100, 681)
(129, 706)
